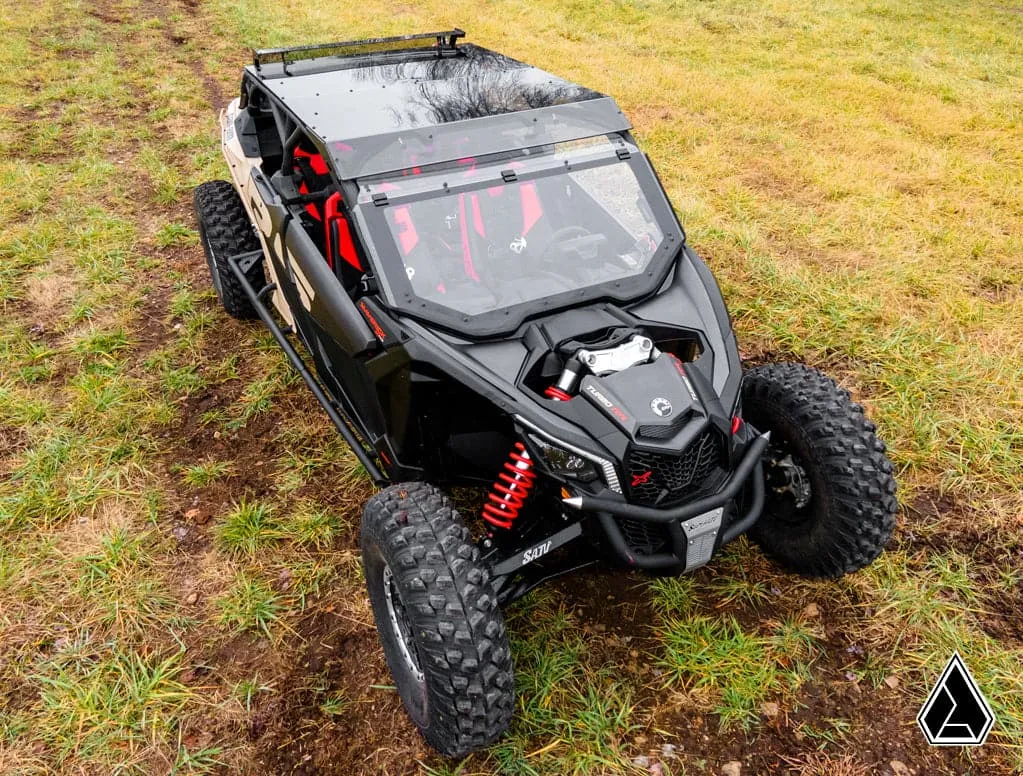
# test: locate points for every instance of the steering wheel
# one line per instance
(564, 234)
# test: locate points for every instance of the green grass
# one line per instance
(249, 604)
(248, 528)
(106, 706)
(851, 172)
(336, 705)
(174, 235)
(202, 474)
(735, 668)
(120, 582)
(247, 691)
(308, 526)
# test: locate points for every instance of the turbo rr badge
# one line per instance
(661, 407)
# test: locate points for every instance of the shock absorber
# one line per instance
(567, 382)
(555, 393)
(511, 489)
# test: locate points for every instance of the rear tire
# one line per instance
(831, 504)
(440, 627)
(225, 230)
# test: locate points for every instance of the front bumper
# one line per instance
(695, 528)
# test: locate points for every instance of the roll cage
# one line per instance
(449, 101)
(344, 217)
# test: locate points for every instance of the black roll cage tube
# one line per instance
(606, 510)
(751, 458)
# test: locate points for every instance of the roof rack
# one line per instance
(446, 41)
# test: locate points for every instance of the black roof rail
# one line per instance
(446, 41)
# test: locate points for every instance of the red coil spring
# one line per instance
(511, 489)
(553, 392)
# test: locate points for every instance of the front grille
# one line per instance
(643, 537)
(662, 479)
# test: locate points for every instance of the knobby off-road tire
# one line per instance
(846, 517)
(225, 230)
(454, 634)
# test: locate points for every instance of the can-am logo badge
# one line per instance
(956, 713)
(641, 479)
(661, 407)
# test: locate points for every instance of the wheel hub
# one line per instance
(400, 625)
(787, 476)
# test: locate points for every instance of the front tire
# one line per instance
(225, 230)
(831, 504)
(440, 627)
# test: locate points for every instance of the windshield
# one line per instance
(478, 238)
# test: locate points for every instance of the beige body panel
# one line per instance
(241, 167)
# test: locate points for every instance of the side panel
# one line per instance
(334, 332)
(242, 168)
(308, 296)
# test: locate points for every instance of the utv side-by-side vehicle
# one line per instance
(494, 291)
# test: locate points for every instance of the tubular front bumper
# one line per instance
(695, 528)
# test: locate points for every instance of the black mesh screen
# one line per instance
(661, 479)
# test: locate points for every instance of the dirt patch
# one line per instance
(937, 524)
(26, 122)
(301, 732)
(13, 439)
(941, 524)
(105, 15)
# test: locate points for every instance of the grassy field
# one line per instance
(179, 581)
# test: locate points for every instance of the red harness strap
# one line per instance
(331, 213)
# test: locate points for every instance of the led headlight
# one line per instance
(564, 463)
(544, 441)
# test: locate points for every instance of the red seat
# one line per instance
(318, 167)
(338, 235)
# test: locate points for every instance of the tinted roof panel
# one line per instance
(378, 116)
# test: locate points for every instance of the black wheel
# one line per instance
(439, 623)
(830, 494)
(225, 230)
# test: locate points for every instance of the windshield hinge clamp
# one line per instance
(380, 199)
(624, 153)
(508, 176)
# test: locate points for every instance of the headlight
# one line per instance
(564, 463)
(544, 442)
